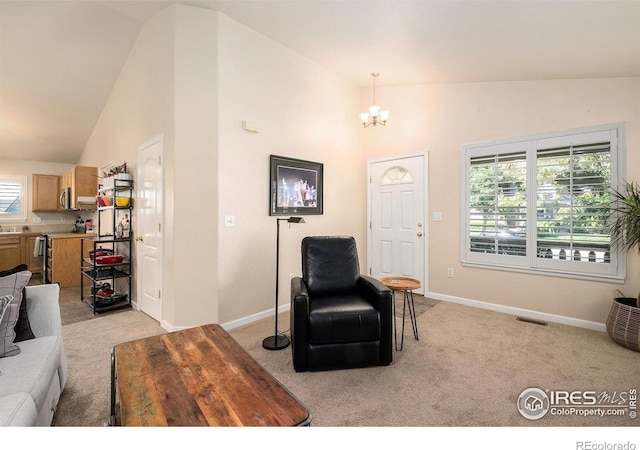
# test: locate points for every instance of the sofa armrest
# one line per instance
(43, 309)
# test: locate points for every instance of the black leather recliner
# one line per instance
(339, 318)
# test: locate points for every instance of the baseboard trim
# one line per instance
(520, 312)
(436, 296)
(254, 317)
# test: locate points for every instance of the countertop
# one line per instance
(72, 235)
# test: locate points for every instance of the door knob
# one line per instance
(419, 224)
(139, 238)
(419, 233)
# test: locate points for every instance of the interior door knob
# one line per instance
(139, 238)
(419, 233)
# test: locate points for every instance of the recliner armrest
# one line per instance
(298, 318)
(382, 299)
(373, 289)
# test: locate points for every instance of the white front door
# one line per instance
(149, 211)
(397, 229)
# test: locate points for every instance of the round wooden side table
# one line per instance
(407, 285)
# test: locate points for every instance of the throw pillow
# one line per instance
(8, 321)
(11, 285)
(23, 326)
(4, 304)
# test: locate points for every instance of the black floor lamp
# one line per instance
(279, 341)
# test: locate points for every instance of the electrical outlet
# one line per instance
(36, 219)
(450, 272)
(229, 221)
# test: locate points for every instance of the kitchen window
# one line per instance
(13, 204)
(542, 203)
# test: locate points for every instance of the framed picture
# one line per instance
(296, 186)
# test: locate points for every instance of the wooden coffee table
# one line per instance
(407, 285)
(196, 377)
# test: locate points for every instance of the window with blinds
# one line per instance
(498, 204)
(12, 194)
(543, 203)
(573, 200)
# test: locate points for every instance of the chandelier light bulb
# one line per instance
(374, 116)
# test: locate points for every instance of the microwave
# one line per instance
(65, 198)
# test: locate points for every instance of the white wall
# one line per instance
(303, 111)
(440, 118)
(194, 75)
(141, 107)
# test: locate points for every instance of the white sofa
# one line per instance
(31, 382)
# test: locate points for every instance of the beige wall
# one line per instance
(440, 118)
(194, 75)
(303, 111)
(141, 107)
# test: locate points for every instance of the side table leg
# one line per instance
(412, 314)
(393, 306)
(404, 309)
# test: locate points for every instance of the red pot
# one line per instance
(110, 259)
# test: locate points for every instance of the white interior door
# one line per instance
(397, 231)
(149, 212)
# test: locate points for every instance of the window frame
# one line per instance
(20, 216)
(614, 271)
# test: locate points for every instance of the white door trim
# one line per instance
(425, 242)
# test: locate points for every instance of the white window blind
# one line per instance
(12, 198)
(542, 203)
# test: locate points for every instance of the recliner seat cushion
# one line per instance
(342, 319)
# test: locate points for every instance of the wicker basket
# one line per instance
(623, 323)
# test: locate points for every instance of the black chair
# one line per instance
(339, 318)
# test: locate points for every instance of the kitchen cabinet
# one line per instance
(11, 252)
(45, 192)
(79, 183)
(113, 240)
(19, 249)
(64, 254)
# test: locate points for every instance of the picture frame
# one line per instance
(296, 186)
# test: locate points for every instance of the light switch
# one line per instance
(229, 221)
(437, 216)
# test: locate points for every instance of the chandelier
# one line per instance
(374, 116)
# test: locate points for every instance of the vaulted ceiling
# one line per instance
(59, 59)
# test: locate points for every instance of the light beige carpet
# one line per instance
(85, 400)
(467, 369)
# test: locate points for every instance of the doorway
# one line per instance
(397, 235)
(149, 242)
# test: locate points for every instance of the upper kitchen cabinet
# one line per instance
(45, 192)
(78, 188)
